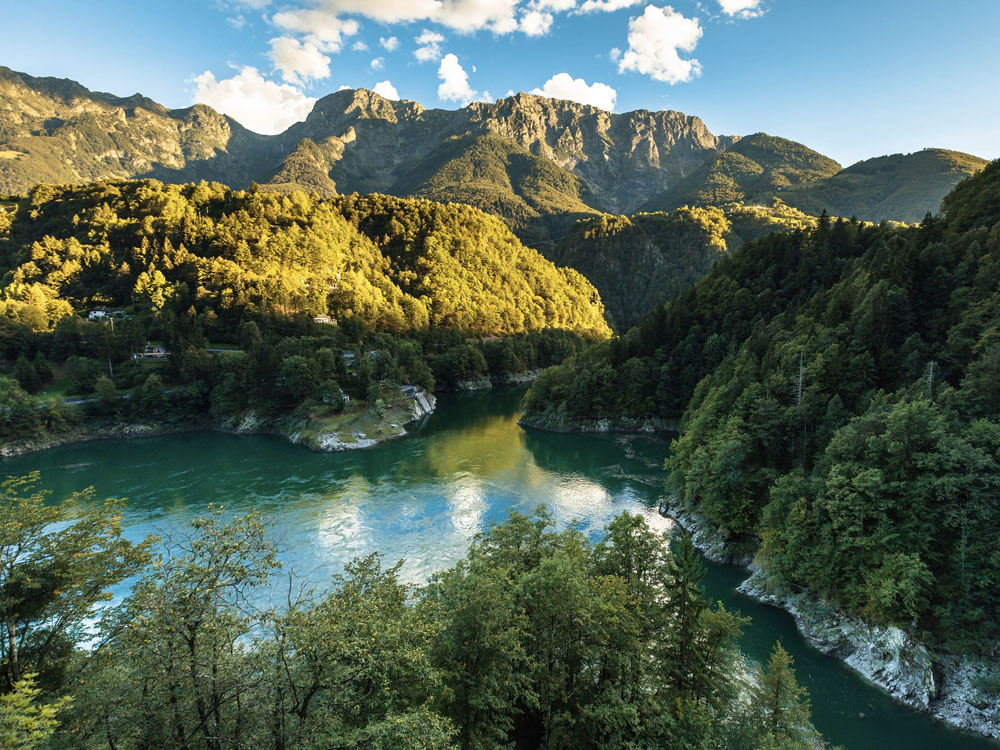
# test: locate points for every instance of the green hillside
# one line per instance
(532, 195)
(750, 171)
(148, 245)
(902, 187)
(840, 409)
(641, 261)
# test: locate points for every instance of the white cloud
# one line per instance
(606, 6)
(535, 23)
(376, 64)
(555, 5)
(256, 103)
(742, 8)
(564, 86)
(389, 44)
(359, 46)
(430, 46)
(655, 40)
(386, 89)
(454, 81)
(615, 54)
(298, 61)
(461, 15)
(323, 29)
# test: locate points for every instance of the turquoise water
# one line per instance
(421, 499)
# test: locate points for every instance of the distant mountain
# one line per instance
(902, 186)
(537, 163)
(753, 170)
(56, 131)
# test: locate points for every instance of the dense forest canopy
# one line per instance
(396, 264)
(146, 303)
(839, 395)
(638, 262)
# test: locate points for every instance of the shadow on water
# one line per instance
(424, 497)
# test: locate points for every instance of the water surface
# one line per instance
(421, 499)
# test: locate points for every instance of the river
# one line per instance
(422, 499)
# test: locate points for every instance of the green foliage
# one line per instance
(56, 563)
(641, 261)
(840, 409)
(537, 638)
(782, 706)
(192, 251)
(421, 293)
(25, 724)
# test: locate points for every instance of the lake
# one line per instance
(422, 498)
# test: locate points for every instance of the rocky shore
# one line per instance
(493, 381)
(554, 423)
(946, 686)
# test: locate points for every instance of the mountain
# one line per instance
(537, 163)
(903, 187)
(751, 171)
(56, 131)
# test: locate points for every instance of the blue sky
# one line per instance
(852, 79)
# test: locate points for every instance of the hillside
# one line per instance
(56, 131)
(840, 413)
(894, 187)
(753, 170)
(530, 194)
(537, 163)
(396, 264)
(641, 261)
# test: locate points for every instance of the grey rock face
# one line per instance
(54, 130)
(947, 686)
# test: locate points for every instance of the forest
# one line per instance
(639, 262)
(838, 391)
(138, 301)
(536, 638)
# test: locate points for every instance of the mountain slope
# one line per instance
(56, 131)
(903, 187)
(396, 264)
(640, 261)
(493, 173)
(749, 172)
(535, 162)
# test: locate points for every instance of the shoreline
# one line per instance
(934, 682)
(892, 659)
(626, 425)
(248, 424)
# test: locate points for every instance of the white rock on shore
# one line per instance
(943, 685)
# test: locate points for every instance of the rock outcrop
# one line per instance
(947, 686)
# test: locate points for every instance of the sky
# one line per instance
(852, 79)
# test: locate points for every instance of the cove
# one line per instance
(422, 499)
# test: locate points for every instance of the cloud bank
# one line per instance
(256, 103)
